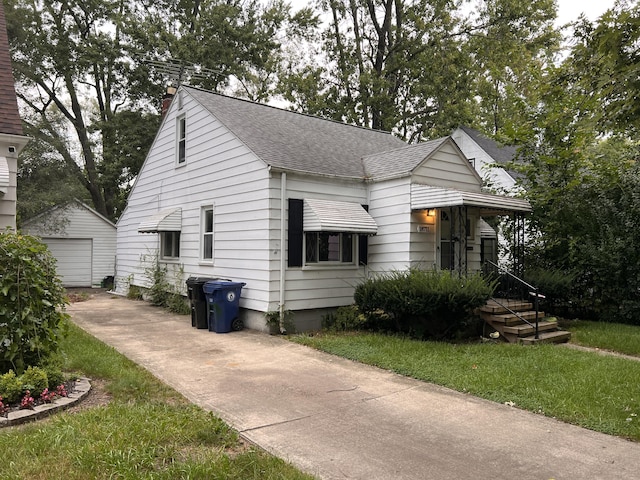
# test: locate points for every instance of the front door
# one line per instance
(453, 239)
(446, 242)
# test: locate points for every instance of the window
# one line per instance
(170, 245)
(181, 135)
(328, 247)
(207, 233)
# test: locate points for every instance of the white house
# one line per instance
(82, 241)
(299, 208)
(12, 139)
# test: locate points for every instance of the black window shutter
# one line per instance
(295, 232)
(363, 245)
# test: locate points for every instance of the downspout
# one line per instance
(283, 233)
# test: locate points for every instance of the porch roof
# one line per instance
(169, 220)
(425, 196)
(333, 216)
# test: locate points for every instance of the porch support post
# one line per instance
(518, 244)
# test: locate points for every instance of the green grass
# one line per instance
(616, 337)
(147, 431)
(596, 392)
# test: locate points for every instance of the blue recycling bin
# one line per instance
(223, 301)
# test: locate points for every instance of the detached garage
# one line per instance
(82, 241)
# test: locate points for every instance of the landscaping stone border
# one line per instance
(80, 390)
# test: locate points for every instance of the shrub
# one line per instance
(10, 387)
(32, 300)
(425, 304)
(272, 318)
(134, 293)
(556, 285)
(344, 319)
(177, 303)
(34, 379)
(54, 376)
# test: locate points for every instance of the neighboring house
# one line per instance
(299, 208)
(490, 159)
(82, 241)
(12, 140)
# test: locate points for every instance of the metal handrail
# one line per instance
(533, 291)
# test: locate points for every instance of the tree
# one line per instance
(512, 46)
(608, 53)
(419, 67)
(73, 63)
(583, 177)
(86, 83)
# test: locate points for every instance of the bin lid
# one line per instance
(201, 280)
(212, 286)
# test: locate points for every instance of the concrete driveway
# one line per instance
(338, 419)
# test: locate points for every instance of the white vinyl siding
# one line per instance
(390, 206)
(221, 171)
(318, 286)
(448, 168)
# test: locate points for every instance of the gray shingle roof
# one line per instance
(294, 141)
(401, 160)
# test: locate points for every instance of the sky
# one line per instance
(570, 10)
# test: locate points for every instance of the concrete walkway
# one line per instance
(341, 420)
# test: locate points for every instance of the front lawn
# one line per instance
(606, 336)
(593, 391)
(147, 430)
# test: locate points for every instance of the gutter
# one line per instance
(283, 232)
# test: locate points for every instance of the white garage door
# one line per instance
(74, 260)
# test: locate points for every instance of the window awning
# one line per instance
(4, 176)
(424, 197)
(169, 220)
(332, 216)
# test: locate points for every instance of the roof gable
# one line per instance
(53, 214)
(296, 142)
(502, 155)
(9, 117)
(400, 161)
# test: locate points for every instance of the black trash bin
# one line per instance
(223, 298)
(198, 300)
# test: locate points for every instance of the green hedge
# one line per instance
(424, 304)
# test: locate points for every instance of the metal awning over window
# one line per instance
(332, 216)
(425, 197)
(4, 176)
(169, 220)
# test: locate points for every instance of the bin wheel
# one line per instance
(237, 325)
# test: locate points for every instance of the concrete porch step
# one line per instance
(525, 330)
(503, 305)
(559, 336)
(510, 318)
